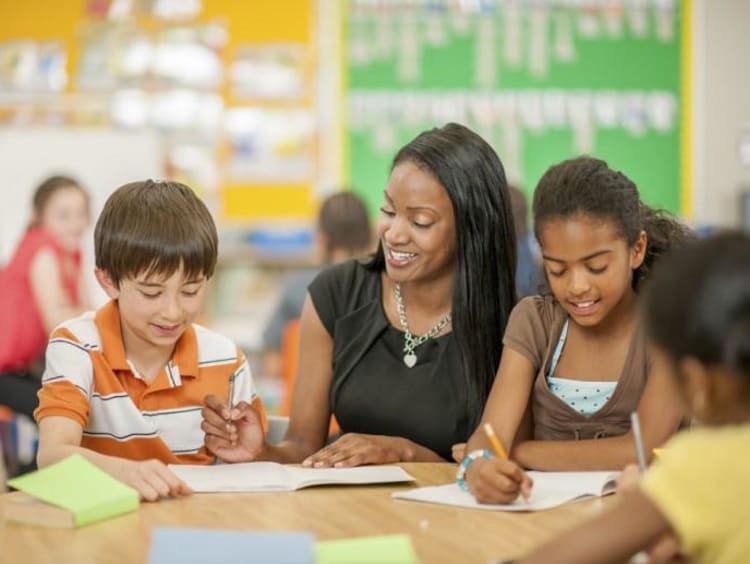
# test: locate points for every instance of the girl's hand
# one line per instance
(150, 478)
(458, 452)
(233, 435)
(497, 480)
(628, 480)
(667, 547)
(354, 449)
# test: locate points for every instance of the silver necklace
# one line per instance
(411, 342)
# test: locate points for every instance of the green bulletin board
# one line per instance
(625, 67)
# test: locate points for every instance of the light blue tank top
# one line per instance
(585, 396)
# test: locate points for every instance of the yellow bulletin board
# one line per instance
(262, 21)
(248, 22)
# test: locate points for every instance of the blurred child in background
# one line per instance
(343, 231)
(40, 287)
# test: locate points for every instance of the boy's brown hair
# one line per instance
(154, 227)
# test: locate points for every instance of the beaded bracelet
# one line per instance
(464, 466)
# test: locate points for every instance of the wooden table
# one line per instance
(439, 533)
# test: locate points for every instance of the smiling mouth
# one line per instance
(583, 307)
(166, 328)
(401, 258)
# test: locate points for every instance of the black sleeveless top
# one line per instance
(372, 390)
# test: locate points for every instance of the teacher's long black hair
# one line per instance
(484, 289)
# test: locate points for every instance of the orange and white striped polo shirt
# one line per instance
(89, 379)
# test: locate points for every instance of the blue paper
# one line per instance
(217, 546)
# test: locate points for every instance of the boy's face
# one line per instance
(154, 310)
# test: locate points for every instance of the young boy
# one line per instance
(124, 386)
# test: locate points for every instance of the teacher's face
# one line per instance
(416, 226)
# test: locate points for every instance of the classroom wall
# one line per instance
(720, 87)
(722, 108)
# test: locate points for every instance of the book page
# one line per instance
(245, 477)
(550, 490)
(304, 477)
(270, 476)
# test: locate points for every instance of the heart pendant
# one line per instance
(410, 359)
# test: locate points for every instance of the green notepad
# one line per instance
(77, 491)
(387, 549)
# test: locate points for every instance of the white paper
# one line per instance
(385, 39)
(512, 34)
(613, 19)
(564, 47)
(581, 120)
(551, 489)
(538, 50)
(485, 63)
(359, 48)
(273, 477)
(436, 34)
(661, 109)
(606, 109)
(409, 56)
(665, 20)
(554, 108)
(588, 23)
(529, 105)
(637, 14)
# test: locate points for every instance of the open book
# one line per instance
(550, 490)
(273, 477)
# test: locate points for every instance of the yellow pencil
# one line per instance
(496, 445)
(498, 448)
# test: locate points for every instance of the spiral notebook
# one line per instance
(551, 489)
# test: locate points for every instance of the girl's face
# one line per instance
(589, 265)
(416, 226)
(66, 216)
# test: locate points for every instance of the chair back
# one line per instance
(289, 367)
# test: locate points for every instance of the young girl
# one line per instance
(697, 311)
(575, 361)
(40, 286)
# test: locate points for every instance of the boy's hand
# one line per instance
(234, 435)
(151, 478)
(497, 480)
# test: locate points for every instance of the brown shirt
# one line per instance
(533, 331)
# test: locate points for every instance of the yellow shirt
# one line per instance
(701, 484)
